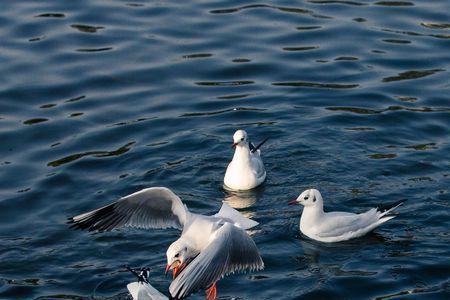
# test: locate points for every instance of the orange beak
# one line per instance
(176, 268)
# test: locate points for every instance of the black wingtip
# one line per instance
(259, 145)
(386, 207)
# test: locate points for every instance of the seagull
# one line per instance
(142, 289)
(246, 169)
(329, 227)
(209, 247)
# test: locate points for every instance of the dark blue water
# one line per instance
(99, 99)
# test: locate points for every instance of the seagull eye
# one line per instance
(177, 255)
(242, 139)
(306, 198)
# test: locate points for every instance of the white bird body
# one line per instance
(144, 291)
(332, 227)
(246, 170)
(209, 247)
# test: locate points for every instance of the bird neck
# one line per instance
(312, 213)
(242, 152)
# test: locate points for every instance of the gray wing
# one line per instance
(155, 207)
(232, 250)
(339, 223)
(258, 166)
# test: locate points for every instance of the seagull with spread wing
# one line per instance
(209, 247)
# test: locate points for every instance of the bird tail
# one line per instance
(387, 209)
(227, 212)
(254, 148)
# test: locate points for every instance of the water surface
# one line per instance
(99, 99)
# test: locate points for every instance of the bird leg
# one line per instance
(211, 293)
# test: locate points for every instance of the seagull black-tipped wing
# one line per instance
(232, 250)
(155, 207)
(254, 148)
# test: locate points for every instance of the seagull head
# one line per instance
(239, 137)
(311, 197)
(178, 255)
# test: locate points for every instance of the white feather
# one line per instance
(144, 291)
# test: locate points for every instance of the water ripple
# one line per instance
(408, 75)
(240, 96)
(125, 148)
(368, 111)
(316, 85)
(94, 49)
(394, 3)
(237, 9)
(308, 27)
(35, 121)
(436, 25)
(304, 48)
(210, 113)
(224, 83)
(197, 55)
(51, 15)
(354, 3)
(86, 28)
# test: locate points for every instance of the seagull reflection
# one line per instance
(314, 249)
(243, 199)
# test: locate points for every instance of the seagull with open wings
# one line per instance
(209, 247)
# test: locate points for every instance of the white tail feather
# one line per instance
(227, 212)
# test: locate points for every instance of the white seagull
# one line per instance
(246, 171)
(209, 248)
(142, 289)
(338, 226)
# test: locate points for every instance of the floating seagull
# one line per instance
(209, 248)
(338, 226)
(246, 170)
(142, 289)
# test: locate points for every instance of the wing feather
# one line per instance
(340, 223)
(155, 207)
(232, 250)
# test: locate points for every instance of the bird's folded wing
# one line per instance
(258, 167)
(232, 250)
(155, 207)
(341, 223)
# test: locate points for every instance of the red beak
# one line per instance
(233, 145)
(176, 270)
(293, 202)
(167, 269)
